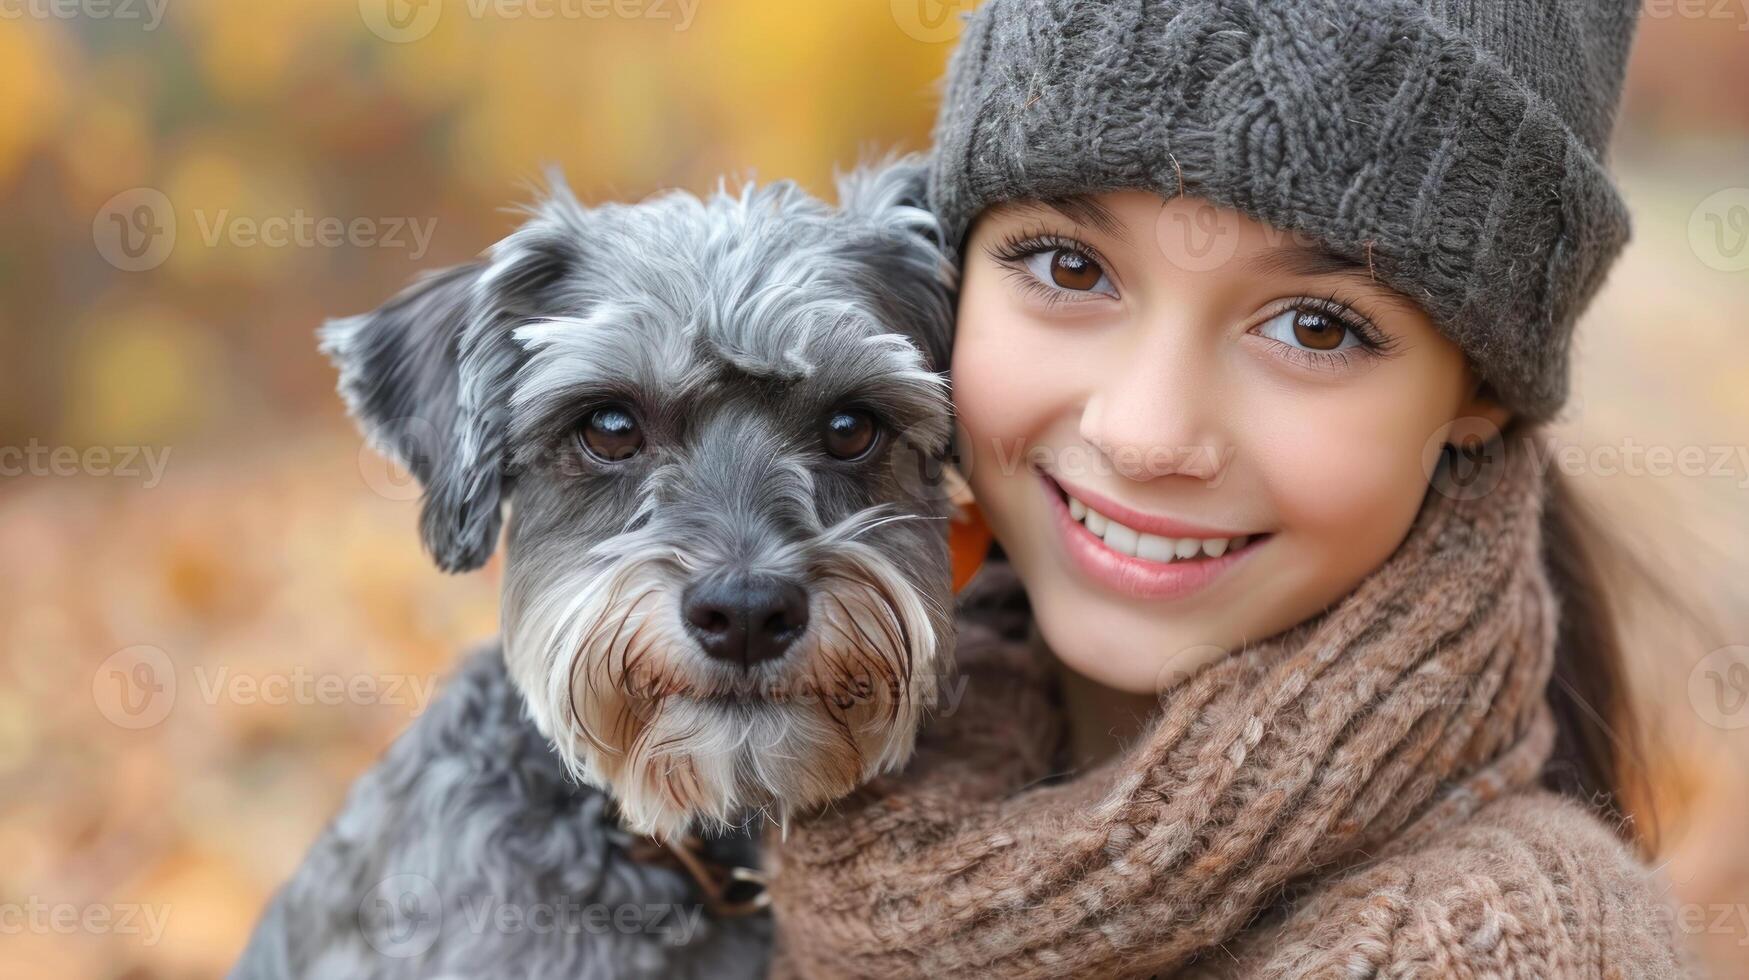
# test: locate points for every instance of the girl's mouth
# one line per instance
(1138, 554)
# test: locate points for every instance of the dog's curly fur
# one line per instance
(731, 326)
(469, 851)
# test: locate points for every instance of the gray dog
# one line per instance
(714, 424)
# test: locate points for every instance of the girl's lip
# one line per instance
(1129, 517)
(1132, 576)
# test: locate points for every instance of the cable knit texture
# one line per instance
(1356, 797)
(1453, 146)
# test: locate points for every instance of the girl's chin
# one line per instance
(1118, 652)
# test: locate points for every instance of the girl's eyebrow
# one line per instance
(1301, 260)
(1078, 208)
(1084, 210)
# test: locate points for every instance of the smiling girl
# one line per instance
(1291, 661)
(1215, 454)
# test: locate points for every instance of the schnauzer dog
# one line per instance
(715, 425)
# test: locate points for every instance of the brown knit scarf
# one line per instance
(1404, 708)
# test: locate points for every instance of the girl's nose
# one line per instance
(1153, 416)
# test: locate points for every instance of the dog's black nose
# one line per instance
(745, 620)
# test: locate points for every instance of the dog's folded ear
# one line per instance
(427, 375)
(905, 250)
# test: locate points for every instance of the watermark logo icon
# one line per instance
(401, 21)
(135, 230)
(931, 21)
(402, 916)
(924, 466)
(135, 687)
(1718, 230)
(1466, 461)
(1185, 664)
(1718, 688)
(408, 445)
(1196, 237)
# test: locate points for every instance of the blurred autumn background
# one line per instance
(216, 612)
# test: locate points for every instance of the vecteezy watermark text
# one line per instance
(406, 21)
(303, 230)
(138, 686)
(676, 924)
(149, 13)
(127, 462)
(403, 916)
(33, 916)
(137, 230)
(1727, 10)
(681, 12)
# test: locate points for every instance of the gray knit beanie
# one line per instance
(1455, 146)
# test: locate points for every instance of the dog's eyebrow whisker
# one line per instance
(854, 524)
(892, 519)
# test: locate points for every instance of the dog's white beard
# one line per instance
(632, 706)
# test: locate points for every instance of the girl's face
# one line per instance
(1189, 430)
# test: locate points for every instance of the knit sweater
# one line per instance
(1355, 798)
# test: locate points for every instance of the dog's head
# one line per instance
(715, 425)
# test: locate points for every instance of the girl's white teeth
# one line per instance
(1096, 523)
(1150, 547)
(1121, 539)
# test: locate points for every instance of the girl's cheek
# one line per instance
(1344, 466)
(1007, 398)
(1005, 393)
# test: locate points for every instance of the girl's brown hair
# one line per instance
(1601, 748)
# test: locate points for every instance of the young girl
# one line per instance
(1261, 305)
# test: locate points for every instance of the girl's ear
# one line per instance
(968, 536)
(1484, 405)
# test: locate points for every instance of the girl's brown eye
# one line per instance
(1317, 331)
(611, 434)
(850, 433)
(1075, 270)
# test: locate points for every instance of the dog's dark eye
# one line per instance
(611, 433)
(850, 433)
